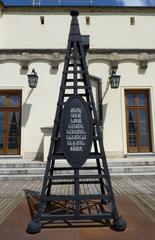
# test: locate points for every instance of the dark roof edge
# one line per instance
(91, 9)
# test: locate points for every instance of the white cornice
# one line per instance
(55, 56)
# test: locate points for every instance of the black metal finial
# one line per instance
(74, 13)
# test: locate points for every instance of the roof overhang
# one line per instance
(82, 9)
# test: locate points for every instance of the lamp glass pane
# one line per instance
(114, 81)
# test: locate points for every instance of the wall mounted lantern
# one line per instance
(33, 79)
(114, 79)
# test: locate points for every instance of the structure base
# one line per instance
(119, 224)
(34, 227)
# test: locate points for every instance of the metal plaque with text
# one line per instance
(76, 131)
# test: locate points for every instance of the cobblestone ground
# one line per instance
(140, 189)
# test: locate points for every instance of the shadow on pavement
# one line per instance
(61, 207)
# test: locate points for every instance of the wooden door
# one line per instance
(10, 122)
(138, 121)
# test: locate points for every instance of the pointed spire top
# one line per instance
(74, 30)
(74, 13)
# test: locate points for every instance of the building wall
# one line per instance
(106, 30)
(39, 105)
(115, 139)
(21, 30)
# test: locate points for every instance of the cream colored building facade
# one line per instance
(36, 37)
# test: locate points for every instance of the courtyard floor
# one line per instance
(135, 198)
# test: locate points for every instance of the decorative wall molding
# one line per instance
(56, 56)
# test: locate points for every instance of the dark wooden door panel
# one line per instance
(2, 132)
(138, 120)
(10, 122)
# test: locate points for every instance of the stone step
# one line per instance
(41, 170)
(23, 165)
(113, 170)
(132, 169)
(21, 169)
(22, 177)
(111, 163)
(40, 176)
(132, 162)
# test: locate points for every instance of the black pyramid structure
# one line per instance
(76, 138)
